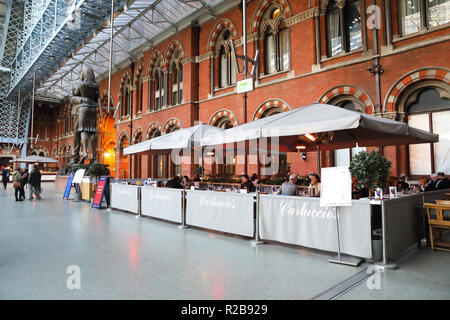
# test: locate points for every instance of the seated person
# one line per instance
(402, 185)
(315, 185)
(289, 188)
(423, 183)
(174, 183)
(432, 185)
(186, 182)
(442, 182)
(247, 184)
(393, 181)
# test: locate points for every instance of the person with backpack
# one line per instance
(24, 181)
(17, 183)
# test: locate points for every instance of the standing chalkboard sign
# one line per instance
(97, 203)
(68, 187)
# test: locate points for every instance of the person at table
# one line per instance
(174, 183)
(186, 182)
(432, 185)
(254, 179)
(442, 182)
(314, 187)
(402, 185)
(289, 188)
(247, 184)
(423, 183)
(392, 181)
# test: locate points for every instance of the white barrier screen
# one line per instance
(162, 203)
(124, 197)
(302, 221)
(222, 211)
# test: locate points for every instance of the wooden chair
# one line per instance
(443, 202)
(439, 223)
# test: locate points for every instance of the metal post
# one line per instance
(257, 240)
(110, 53)
(244, 39)
(183, 211)
(385, 265)
(318, 159)
(349, 261)
(139, 197)
(32, 108)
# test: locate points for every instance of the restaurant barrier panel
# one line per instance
(223, 211)
(162, 203)
(302, 221)
(125, 197)
(432, 196)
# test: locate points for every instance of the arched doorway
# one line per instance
(123, 159)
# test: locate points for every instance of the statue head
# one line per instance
(87, 74)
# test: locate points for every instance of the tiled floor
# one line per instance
(121, 257)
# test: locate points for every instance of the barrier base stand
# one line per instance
(138, 216)
(382, 266)
(346, 260)
(182, 227)
(255, 242)
(77, 197)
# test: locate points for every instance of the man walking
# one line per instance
(35, 183)
(5, 176)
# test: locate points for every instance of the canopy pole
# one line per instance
(244, 39)
(32, 108)
(318, 159)
(110, 54)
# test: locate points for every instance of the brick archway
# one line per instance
(270, 104)
(262, 7)
(154, 57)
(174, 44)
(151, 127)
(172, 122)
(136, 133)
(219, 26)
(126, 78)
(430, 73)
(223, 113)
(358, 93)
(137, 74)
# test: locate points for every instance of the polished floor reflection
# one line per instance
(121, 257)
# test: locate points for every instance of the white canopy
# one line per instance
(348, 127)
(34, 159)
(180, 139)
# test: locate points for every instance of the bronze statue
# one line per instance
(84, 107)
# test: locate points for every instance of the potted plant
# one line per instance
(370, 170)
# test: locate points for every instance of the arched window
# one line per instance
(343, 23)
(176, 78)
(126, 99)
(276, 40)
(156, 87)
(415, 15)
(226, 68)
(140, 94)
(428, 108)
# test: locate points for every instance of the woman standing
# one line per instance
(17, 183)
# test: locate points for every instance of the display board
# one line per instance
(79, 174)
(223, 211)
(68, 186)
(336, 187)
(97, 203)
(303, 221)
(162, 203)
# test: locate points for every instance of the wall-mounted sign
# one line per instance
(245, 85)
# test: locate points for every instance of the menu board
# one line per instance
(79, 175)
(336, 187)
(99, 193)
(68, 187)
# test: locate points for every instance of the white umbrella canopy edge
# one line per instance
(34, 159)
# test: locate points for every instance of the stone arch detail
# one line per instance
(257, 17)
(429, 73)
(171, 122)
(174, 44)
(219, 26)
(151, 127)
(223, 113)
(268, 104)
(153, 58)
(360, 94)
